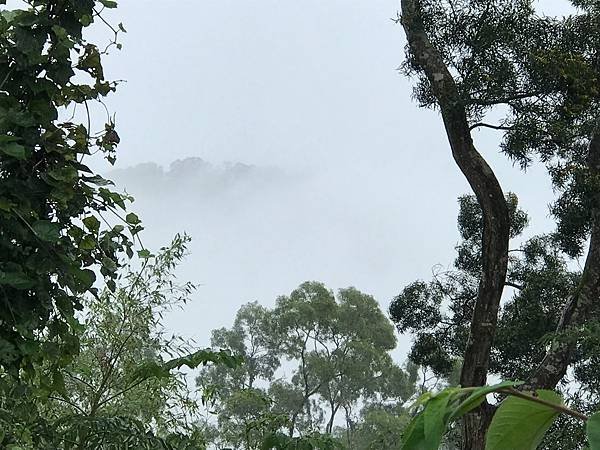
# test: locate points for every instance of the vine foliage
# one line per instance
(52, 238)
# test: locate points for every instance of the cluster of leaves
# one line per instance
(520, 421)
(542, 281)
(336, 352)
(439, 312)
(52, 241)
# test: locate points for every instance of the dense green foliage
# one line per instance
(437, 312)
(52, 242)
(125, 385)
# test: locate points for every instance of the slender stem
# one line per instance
(559, 408)
(6, 77)
(68, 402)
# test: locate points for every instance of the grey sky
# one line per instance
(364, 187)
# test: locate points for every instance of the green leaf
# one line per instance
(15, 150)
(46, 230)
(5, 205)
(413, 437)
(144, 253)
(592, 429)
(86, 20)
(92, 224)
(109, 264)
(423, 399)
(152, 369)
(98, 180)
(109, 3)
(87, 243)
(478, 396)
(16, 279)
(67, 173)
(4, 138)
(435, 418)
(520, 424)
(86, 278)
(132, 219)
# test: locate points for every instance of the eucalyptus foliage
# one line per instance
(313, 360)
(126, 385)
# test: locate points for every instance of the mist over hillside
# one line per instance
(258, 232)
(203, 178)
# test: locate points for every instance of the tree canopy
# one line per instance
(475, 61)
(315, 359)
(53, 242)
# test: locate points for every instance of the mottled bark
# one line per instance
(577, 311)
(496, 224)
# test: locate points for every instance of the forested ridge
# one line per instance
(505, 340)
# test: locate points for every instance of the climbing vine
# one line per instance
(55, 238)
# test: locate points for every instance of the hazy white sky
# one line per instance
(366, 189)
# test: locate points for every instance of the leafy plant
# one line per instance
(520, 421)
(54, 238)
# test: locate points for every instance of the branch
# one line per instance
(80, 380)
(504, 100)
(488, 125)
(496, 223)
(121, 392)
(514, 285)
(485, 186)
(68, 402)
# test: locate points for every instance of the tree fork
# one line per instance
(496, 226)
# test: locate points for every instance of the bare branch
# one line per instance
(489, 125)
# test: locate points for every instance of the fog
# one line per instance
(281, 137)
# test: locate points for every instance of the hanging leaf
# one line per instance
(520, 424)
(15, 150)
(592, 429)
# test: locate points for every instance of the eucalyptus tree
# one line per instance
(341, 347)
(474, 61)
(312, 361)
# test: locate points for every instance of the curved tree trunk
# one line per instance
(587, 295)
(496, 224)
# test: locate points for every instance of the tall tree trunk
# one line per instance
(496, 224)
(587, 295)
